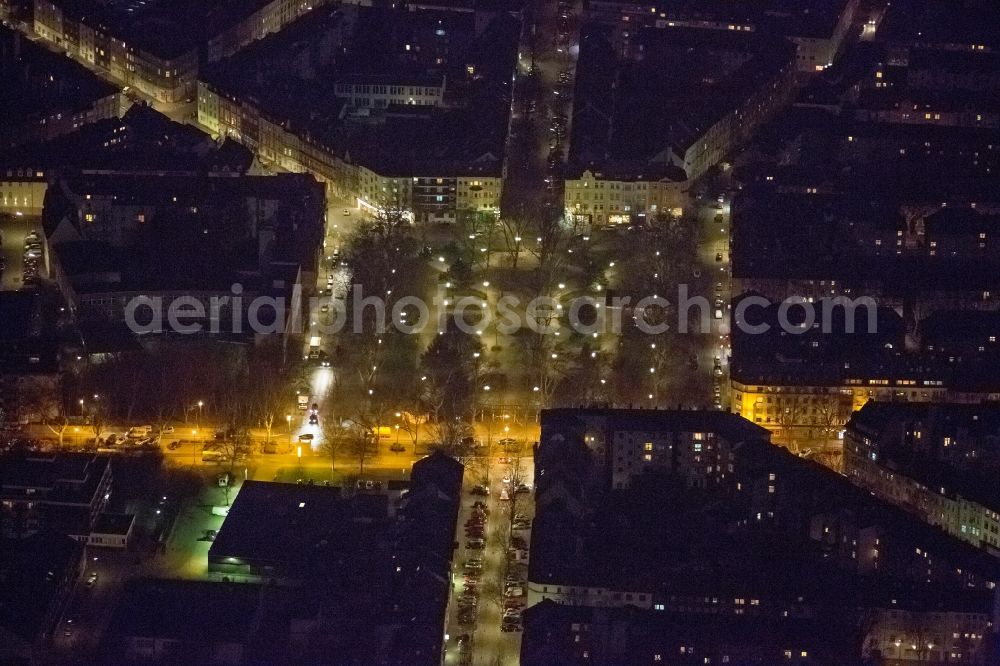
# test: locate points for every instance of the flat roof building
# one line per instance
(369, 580)
(63, 493)
(228, 624)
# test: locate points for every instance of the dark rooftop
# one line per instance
(674, 84)
(286, 524)
(465, 136)
(33, 572)
(38, 83)
(941, 23)
(187, 610)
(829, 236)
(19, 315)
(113, 523)
(165, 28)
(141, 141)
(69, 478)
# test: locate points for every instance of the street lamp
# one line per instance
(200, 405)
(288, 420)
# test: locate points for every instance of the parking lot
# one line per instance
(20, 253)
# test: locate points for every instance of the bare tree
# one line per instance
(269, 386)
(789, 415)
(476, 231)
(547, 363)
(234, 448)
(363, 430)
(49, 406)
(97, 422)
(452, 436)
(336, 439)
(514, 228)
(412, 419)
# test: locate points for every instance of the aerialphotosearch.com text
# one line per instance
(506, 314)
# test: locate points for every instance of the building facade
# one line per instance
(64, 493)
(171, 74)
(431, 197)
(600, 199)
(22, 192)
(929, 460)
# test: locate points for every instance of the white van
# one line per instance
(139, 432)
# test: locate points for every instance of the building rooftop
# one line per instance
(217, 239)
(94, 266)
(187, 610)
(113, 523)
(165, 28)
(941, 23)
(734, 540)
(39, 83)
(33, 572)
(141, 141)
(672, 85)
(361, 559)
(844, 235)
(19, 315)
(67, 478)
(793, 18)
(302, 526)
(974, 430)
(466, 135)
(631, 635)
(672, 420)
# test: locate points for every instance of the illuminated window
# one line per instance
(648, 446)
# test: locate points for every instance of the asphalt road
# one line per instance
(713, 221)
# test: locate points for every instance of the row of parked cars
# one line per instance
(515, 580)
(32, 257)
(475, 533)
